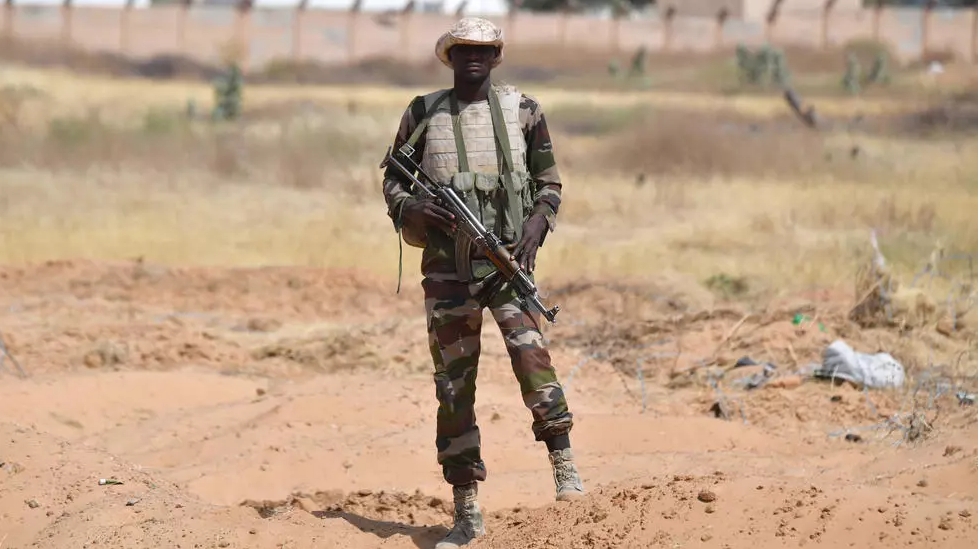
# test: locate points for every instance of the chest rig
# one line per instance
(480, 151)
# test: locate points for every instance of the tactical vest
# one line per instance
(479, 149)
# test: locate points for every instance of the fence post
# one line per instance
(566, 8)
(8, 19)
(824, 37)
(620, 9)
(182, 9)
(297, 29)
(878, 11)
(668, 16)
(404, 25)
(243, 15)
(722, 15)
(66, 13)
(353, 24)
(511, 16)
(770, 19)
(124, 24)
(926, 27)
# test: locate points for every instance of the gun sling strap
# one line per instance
(411, 143)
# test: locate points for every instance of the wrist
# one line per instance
(544, 210)
(399, 210)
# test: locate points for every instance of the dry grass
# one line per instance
(698, 185)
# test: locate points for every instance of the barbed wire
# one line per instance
(909, 418)
(932, 268)
(5, 353)
(727, 403)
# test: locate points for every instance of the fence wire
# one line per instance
(909, 420)
(6, 354)
(920, 399)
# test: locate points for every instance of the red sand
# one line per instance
(293, 408)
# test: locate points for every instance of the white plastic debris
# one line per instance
(875, 371)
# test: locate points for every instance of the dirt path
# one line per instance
(289, 408)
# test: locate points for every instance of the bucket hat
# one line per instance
(470, 30)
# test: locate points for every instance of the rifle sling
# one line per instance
(503, 141)
(415, 135)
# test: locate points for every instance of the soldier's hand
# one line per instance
(525, 250)
(425, 213)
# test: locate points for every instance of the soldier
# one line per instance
(490, 142)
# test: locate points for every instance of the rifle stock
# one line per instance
(485, 240)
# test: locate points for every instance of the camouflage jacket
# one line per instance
(539, 160)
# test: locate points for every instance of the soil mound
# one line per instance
(383, 506)
(733, 512)
(295, 292)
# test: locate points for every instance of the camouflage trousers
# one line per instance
(455, 317)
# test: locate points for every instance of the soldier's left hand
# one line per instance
(525, 251)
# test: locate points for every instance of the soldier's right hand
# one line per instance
(425, 213)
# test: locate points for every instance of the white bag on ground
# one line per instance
(875, 371)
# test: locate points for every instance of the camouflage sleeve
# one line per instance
(394, 186)
(540, 160)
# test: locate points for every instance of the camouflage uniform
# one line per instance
(456, 283)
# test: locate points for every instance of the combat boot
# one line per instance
(566, 480)
(468, 518)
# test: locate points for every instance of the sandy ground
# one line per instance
(293, 408)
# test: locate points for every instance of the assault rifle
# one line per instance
(485, 240)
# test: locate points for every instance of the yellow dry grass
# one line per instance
(182, 195)
(71, 92)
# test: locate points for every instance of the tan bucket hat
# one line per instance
(470, 30)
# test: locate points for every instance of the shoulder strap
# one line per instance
(428, 115)
(503, 140)
(457, 132)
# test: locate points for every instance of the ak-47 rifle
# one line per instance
(485, 240)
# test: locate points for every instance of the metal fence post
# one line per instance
(124, 24)
(722, 16)
(66, 13)
(8, 19)
(297, 29)
(926, 12)
(771, 18)
(824, 37)
(668, 16)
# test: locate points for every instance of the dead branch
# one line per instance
(808, 117)
(728, 336)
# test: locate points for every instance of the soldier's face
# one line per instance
(472, 63)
